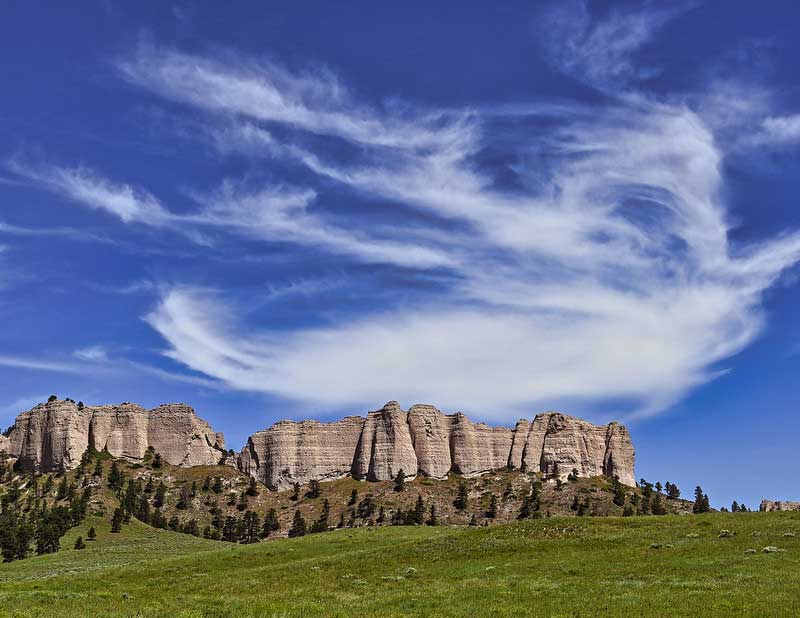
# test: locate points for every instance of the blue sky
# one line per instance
(276, 212)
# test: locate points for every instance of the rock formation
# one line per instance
(425, 441)
(54, 435)
(779, 505)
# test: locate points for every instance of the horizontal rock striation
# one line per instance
(425, 441)
(54, 435)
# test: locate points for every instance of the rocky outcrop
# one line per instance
(297, 452)
(425, 441)
(779, 505)
(54, 435)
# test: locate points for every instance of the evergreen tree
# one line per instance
(735, 507)
(701, 504)
(91, 535)
(659, 487)
(116, 520)
(628, 510)
(251, 526)
(353, 498)
(191, 527)
(271, 523)
(321, 525)
(462, 498)
(157, 463)
(115, 478)
(143, 511)
(418, 514)
(183, 499)
(79, 544)
(673, 493)
(382, 515)
(400, 481)
(298, 525)
(207, 484)
(62, 489)
(619, 492)
(366, 508)
(657, 505)
(242, 503)
(433, 519)
(351, 520)
(174, 523)
(491, 512)
(148, 487)
(525, 508)
(295, 492)
(575, 504)
(583, 508)
(473, 520)
(161, 494)
(98, 469)
(193, 490)
(340, 525)
(252, 489)
(217, 488)
(314, 490)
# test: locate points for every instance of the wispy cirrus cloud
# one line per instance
(599, 277)
(596, 264)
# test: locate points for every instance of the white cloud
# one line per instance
(609, 277)
(601, 51)
(85, 187)
(779, 131)
(92, 354)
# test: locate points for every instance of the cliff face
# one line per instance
(54, 435)
(779, 505)
(425, 441)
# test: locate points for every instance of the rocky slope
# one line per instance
(424, 441)
(54, 435)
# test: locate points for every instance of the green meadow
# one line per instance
(675, 565)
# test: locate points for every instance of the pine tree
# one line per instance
(148, 487)
(462, 498)
(491, 512)
(251, 525)
(242, 503)
(433, 520)
(174, 523)
(735, 507)
(207, 484)
(298, 525)
(115, 477)
(252, 489)
(183, 499)
(701, 504)
(321, 525)
(116, 520)
(366, 508)
(91, 535)
(353, 498)
(193, 490)
(98, 469)
(271, 523)
(314, 490)
(296, 492)
(525, 509)
(217, 489)
(79, 544)
(340, 525)
(657, 506)
(575, 504)
(382, 514)
(619, 492)
(157, 461)
(161, 494)
(659, 487)
(400, 481)
(63, 488)
(473, 520)
(419, 511)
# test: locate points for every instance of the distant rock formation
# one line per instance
(54, 435)
(779, 505)
(425, 441)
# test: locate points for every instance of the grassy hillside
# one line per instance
(676, 565)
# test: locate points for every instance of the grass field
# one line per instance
(565, 567)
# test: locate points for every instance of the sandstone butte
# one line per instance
(420, 441)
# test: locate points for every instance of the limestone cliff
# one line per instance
(54, 435)
(425, 441)
(779, 505)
